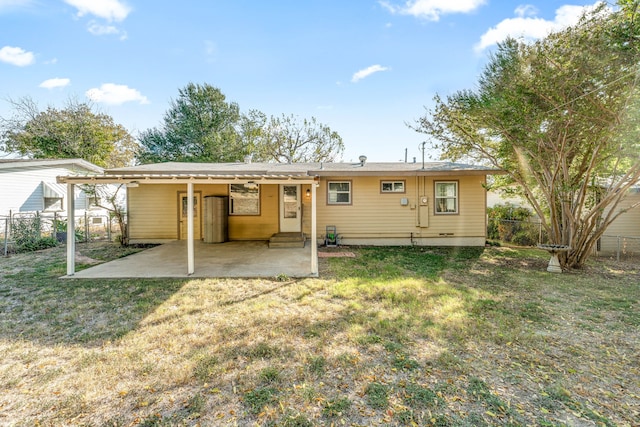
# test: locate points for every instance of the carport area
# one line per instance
(230, 259)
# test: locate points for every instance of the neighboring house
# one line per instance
(29, 185)
(624, 232)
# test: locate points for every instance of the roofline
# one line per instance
(418, 172)
(16, 163)
(186, 178)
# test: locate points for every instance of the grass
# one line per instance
(394, 336)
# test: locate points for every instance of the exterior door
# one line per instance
(182, 216)
(290, 209)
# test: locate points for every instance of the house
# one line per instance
(366, 203)
(623, 234)
(29, 185)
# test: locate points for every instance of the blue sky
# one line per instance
(363, 67)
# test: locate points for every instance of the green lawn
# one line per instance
(394, 336)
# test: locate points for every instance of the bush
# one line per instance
(509, 223)
(27, 236)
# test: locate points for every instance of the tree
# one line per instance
(109, 197)
(200, 126)
(75, 131)
(560, 117)
(286, 139)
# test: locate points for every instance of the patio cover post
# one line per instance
(314, 238)
(71, 230)
(190, 260)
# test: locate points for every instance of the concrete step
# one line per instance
(287, 240)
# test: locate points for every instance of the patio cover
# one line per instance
(132, 177)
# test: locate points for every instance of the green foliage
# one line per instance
(512, 224)
(377, 395)
(317, 365)
(200, 126)
(559, 116)
(288, 139)
(75, 131)
(336, 407)
(27, 235)
(257, 399)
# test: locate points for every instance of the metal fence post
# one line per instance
(6, 236)
(618, 251)
(86, 227)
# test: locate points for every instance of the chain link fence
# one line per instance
(20, 232)
(531, 233)
(624, 248)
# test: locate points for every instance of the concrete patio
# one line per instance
(230, 259)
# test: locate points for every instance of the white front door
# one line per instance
(290, 211)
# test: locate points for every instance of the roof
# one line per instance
(34, 163)
(266, 173)
(309, 169)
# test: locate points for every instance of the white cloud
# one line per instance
(101, 30)
(111, 10)
(113, 94)
(16, 56)
(359, 75)
(529, 27)
(54, 83)
(433, 9)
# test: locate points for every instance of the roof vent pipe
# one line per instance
(247, 158)
(362, 159)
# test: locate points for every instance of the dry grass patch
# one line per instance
(394, 336)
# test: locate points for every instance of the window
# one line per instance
(392, 186)
(446, 197)
(244, 199)
(339, 193)
(53, 203)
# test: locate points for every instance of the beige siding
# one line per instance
(153, 212)
(257, 227)
(626, 225)
(375, 215)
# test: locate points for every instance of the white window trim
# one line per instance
(456, 197)
(242, 213)
(350, 192)
(393, 186)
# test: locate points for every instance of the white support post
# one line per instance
(71, 230)
(314, 231)
(190, 249)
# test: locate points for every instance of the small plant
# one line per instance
(270, 375)
(257, 399)
(282, 277)
(336, 407)
(404, 363)
(262, 350)
(377, 395)
(317, 365)
(196, 405)
(295, 421)
(205, 367)
(405, 417)
(419, 396)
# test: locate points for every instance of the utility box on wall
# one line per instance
(423, 212)
(216, 219)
